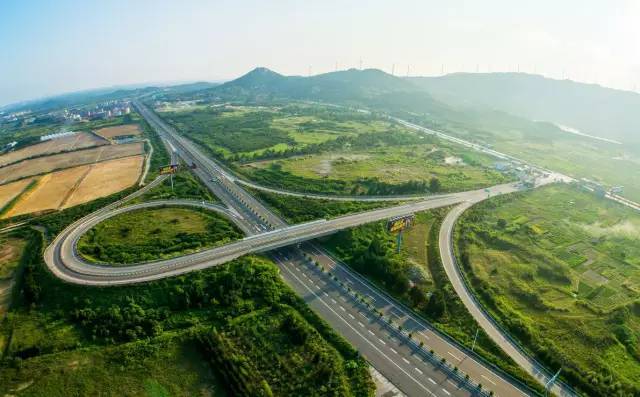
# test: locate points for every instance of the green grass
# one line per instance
(393, 165)
(67, 339)
(565, 279)
(163, 366)
(155, 233)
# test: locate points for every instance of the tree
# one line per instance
(434, 185)
(502, 223)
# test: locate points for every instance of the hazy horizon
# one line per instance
(61, 47)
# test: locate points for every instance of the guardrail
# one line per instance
(444, 335)
(427, 355)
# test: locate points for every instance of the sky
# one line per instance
(51, 47)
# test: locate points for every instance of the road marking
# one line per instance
(311, 281)
(432, 381)
(342, 308)
(370, 332)
(381, 341)
(360, 324)
(445, 390)
(449, 380)
(393, 350)
(333, 301)
(489, 380)
(325, 294)
(425, 335)
(405, 360)
(318, 287)
(420, 372)
(351, 315)
(451, 354)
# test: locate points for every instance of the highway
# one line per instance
(396, 355)
(500, 337)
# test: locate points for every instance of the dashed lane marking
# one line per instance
(451, 354)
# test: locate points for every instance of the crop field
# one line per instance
(119, 130)
(560, 268)
(77, 141)
(156, 233)
(12, 190)
(42, 165)
(107, 177)
(72, 186)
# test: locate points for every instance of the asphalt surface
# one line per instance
(392, 352)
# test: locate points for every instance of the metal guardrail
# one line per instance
(443, 334)
(432, 357)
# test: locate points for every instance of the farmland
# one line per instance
(560, 268)
(119, 131)
(10, 252)
(72, 186)
(43, 165)
(11, 191)
(155, 233)
(64, 144)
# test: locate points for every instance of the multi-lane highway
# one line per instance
(393, 353)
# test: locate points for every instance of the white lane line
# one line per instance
(343, 309)
(365, 339)
(418, 370)
(432, 381)
(425, 335)
(370, 332)
(451, 354)
(318, 287)
(393, 350)
(489, 380)
(448, 380)
(360, 324)
(333, 301)
(445, 390)
(351, 316)
(381, 341)
(311, 281)
(405, 360)
(325, 294)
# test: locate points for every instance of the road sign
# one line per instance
(168, 169)
(400, 223)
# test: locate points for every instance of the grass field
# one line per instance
(43, 165)
(77, 185)
(560, 268)
(119, 130)
(155, 233)
(77, 141)
(392, 165)
(10, 253)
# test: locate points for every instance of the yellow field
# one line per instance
(42, 165)
(52, 146)
(119, 130)
(77, 185)
(107, 178)
(10, 191)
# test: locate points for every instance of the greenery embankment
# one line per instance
(560, 269)
(299, 209)
(152, 336)
(155, 233)
(416, 277)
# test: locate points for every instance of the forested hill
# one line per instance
(590, 108)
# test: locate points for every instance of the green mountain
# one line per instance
(348, 85)
(589, 108)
